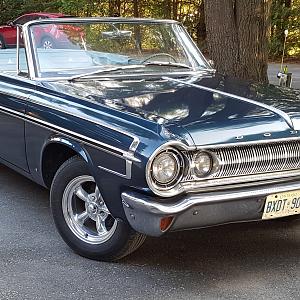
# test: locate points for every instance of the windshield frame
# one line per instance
(192, 52)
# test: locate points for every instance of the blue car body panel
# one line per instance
(116, 125)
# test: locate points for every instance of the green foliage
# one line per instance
(285, 14)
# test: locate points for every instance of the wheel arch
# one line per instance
(66, 147)
(55, 152)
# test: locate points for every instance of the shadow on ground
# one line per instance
(241, 261)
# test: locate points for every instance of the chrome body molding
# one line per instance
(96, 121)
(279, 112)
(127, 175)
(81, 138)
(127, 156)
(200, 210)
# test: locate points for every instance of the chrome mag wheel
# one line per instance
(83, 219)
(85, 211)
(47, 44)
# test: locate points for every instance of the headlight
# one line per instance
(203, 164)
(166, 168)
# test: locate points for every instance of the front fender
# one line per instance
(109, 183)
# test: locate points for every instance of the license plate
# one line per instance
(282, 205)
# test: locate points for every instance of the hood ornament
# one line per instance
(277, 111)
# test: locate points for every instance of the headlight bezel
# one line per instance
(185, 155)
(178, 158)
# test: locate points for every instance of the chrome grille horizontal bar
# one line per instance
(253, 159)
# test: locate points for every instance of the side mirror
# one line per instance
(211, 63)
(10, 23)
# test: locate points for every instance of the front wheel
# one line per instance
(83, 219)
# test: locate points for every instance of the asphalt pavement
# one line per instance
(240, 261)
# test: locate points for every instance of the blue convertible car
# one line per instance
(135, 134)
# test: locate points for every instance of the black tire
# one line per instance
(123, 240)
(47, 43)
(2, 43)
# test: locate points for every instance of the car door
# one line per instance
(14, 92)
(13, 95)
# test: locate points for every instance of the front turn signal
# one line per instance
(165, 223)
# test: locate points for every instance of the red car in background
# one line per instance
(8, 33)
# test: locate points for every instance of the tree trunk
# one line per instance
(111, 7)
(175, 9)
(136, 8)
(237, 36)
(114, 8)
(167, 9)
(201, 27)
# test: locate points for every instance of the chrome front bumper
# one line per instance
(144, 213)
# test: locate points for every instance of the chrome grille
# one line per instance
(253, 159)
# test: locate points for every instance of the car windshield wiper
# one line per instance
(168, 64)
(103, 71)
(179, 65)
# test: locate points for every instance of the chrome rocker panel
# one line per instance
(144, 213)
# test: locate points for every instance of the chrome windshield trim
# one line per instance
(29, 52)
(277, 111)
(33, 63)
(100, 19)
(108, 76)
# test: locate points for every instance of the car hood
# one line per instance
(5, 27)
(203, 108)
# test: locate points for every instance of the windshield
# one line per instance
(67, 49)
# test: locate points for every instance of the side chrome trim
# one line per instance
(80, 136)
(127, 175)
(133, 145)
(279, 112)
(127, 156)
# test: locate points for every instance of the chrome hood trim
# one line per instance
(277, 111)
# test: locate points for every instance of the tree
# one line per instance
(237, 36)
(230, 22)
